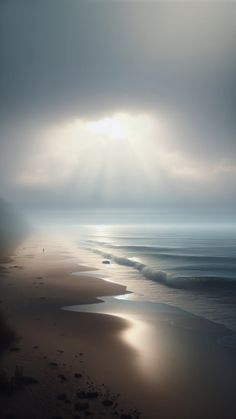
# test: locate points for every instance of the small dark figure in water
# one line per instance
(43, 250)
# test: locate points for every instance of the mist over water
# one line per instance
(13, 227)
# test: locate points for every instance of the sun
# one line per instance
(113, 128)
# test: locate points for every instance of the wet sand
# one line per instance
(164, 363)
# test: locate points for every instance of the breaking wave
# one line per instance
(168, 278)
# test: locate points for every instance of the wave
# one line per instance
(131, 247)
(168, 278)
(167, 252)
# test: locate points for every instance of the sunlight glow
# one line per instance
(100, 228)
(82, 151)
(111, 127)
(119, 157)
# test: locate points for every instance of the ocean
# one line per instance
(186, 264)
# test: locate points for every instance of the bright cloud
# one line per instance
(126, 154)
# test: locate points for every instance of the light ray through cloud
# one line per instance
(114, 157)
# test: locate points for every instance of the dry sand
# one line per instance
(71, 352)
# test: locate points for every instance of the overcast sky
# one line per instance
(118, 103)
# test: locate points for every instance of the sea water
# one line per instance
(186, 263)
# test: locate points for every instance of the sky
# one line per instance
(118, 103)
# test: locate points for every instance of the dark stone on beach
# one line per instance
(67, 401)
(57, 417)
(125, 416)
(81, 394)
(87, 395)
(53, 364)
(19, 380)
(62, 377)
(11, 416)
(78, 375)
(35, 347)
(93, 395)
(107, 403)
(15, 349)
(61, 396)
(106, 262)
(28, 380)
(81, 406)
(60, 351)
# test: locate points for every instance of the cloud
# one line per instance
(77, 63)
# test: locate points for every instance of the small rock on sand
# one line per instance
(29, 380)
(87, 395)
(107, 403)
(67, 401)
(53, 364)
(62, 377)
(62, 396)
(81, 406)
(77, 375)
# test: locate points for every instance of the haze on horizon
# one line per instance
(118, 104)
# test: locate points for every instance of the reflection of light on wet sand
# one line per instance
(137, 334)
(141, 331)
(140, 337)
(128, 297)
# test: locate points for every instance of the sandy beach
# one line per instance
(121, 363)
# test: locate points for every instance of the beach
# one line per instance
(109, 359)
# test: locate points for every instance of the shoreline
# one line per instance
(101, 346)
